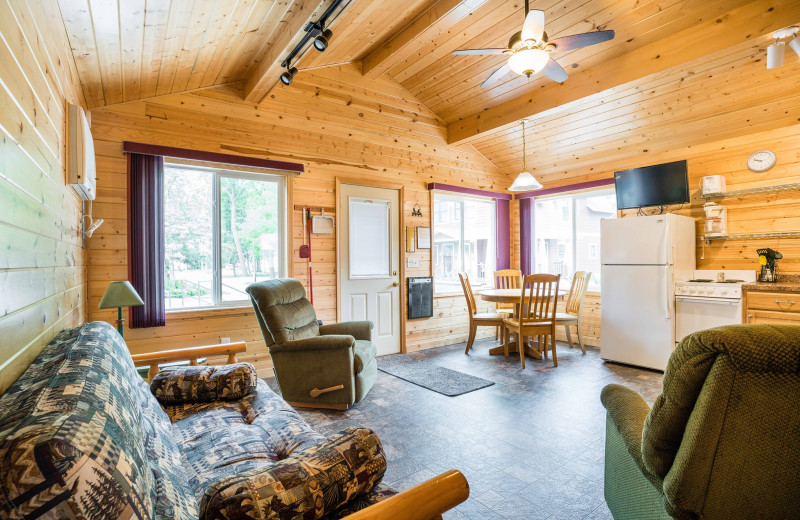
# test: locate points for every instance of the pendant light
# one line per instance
(525, 181)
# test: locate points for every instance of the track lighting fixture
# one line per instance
(776, 51)
(288, 76)
(322, 40)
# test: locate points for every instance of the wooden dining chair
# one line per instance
(506, 279)
(574, 307)
(477, 319)
(537, 313)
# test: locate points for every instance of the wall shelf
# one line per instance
(753, 191)
(744, 236)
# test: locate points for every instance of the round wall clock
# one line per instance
(761, 161)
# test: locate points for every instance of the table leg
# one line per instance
(514, 349)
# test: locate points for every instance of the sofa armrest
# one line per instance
(358, 329)
(627, 410)
(317, 343)
(423, 502)
(309, 484)
(191, 354)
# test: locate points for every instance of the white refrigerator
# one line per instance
(641, 258)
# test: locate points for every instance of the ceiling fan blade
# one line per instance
(496, 76)
(533, 28)
(479, 51)
(554, 71)
(576, 41)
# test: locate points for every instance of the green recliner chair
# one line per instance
(723, 439)
(327, 366)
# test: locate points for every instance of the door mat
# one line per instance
(428, 375)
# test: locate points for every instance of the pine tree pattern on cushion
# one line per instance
(194, 384)
(306, 486)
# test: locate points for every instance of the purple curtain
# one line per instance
(525, 236)
(503, 260)
(146, 238)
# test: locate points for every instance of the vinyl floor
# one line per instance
(531, 446)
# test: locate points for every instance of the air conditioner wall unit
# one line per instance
(80, 154)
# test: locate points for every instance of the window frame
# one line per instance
(573, 196)
(457, 197)
(220, 171)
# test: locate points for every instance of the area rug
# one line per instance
(428, 375)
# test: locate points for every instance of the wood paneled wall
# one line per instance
(338, 124)
(42, 268)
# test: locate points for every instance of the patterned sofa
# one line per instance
(82, 436)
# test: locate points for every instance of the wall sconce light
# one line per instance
(417, 211)
(322, 40)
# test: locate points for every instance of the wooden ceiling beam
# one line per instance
(436, 19)
(266, 74)
(739, 25)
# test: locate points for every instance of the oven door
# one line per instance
(696, 313)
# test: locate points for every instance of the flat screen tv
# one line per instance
(659, 185)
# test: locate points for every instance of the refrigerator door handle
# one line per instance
(666, 292)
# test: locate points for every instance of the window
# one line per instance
(463, 241)
(223, 231)
(566, 233)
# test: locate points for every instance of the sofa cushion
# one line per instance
(308, 485)
(224, 438)
(72, 442)
(364, 353)
(204, 383)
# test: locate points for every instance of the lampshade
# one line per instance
(120, 294)
(528, 61)
(775, 55)
(795, 45)
(525, 182)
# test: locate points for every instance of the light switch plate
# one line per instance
(224, 340)
(413, 261)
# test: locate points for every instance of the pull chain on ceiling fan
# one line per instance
(529, 50)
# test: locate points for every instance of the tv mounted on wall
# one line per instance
(659, 185)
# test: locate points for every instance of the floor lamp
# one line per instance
(119, 295)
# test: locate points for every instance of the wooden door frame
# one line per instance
(377, 183)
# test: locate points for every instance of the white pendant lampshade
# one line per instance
(528, 61)
(775, 54)
(525, 182)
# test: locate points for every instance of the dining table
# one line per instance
(513, 296)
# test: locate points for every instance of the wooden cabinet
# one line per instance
(776, 308)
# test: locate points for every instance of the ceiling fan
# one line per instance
(529, 50)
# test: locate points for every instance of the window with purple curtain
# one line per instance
(146, 238)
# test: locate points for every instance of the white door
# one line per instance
(634, 240)
(369, 261)
(636, 315)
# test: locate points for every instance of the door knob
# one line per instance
(395, 284)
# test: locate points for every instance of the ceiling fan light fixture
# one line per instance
(528, 61)
(525, 182)
(775, 53)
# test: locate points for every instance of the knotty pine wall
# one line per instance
(42, 265)
(338, 124)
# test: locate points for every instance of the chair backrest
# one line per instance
(539, 297)
(580, 282)
(472, 307)
(507, 279)
(728, 413)
(283, 312)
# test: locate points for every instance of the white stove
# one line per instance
(710, 299)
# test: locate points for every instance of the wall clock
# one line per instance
(761, 161)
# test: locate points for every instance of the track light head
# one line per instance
(288, 76)
(322, 40)
(795, 45)
(775, 55)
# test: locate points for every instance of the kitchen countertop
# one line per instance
(785, 283)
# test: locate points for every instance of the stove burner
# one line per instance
(705, 280)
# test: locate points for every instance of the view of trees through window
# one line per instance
(463, 241)
(211, 259)
(566, 232)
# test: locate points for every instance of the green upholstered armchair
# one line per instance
(328, 366)
(723, 439)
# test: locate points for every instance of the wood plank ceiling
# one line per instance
(678, 72)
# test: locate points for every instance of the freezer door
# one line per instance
(634, 240)
(637, 315)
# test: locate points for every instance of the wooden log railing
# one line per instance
(191, 354)
(426, 501)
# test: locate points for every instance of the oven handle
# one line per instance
(718, 301)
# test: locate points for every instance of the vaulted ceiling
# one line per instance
(678, 72)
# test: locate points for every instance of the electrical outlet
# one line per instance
(413, 261)
(224, 340)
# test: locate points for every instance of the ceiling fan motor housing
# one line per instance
(515, 43)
